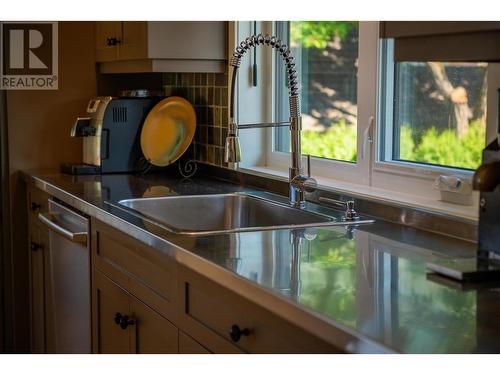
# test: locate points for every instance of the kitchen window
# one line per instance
(336, 62)
(433, 112)
(381, 116)
(327, 59)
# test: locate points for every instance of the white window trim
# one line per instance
(396, 182)
(345, 171)
(395, 168)
(418, 179)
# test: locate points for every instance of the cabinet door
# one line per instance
(109, 300)
(188, 345)
(134, 42)
(190, 40)
(153, 333)
(146, 331)
(37, 246)
(108, 37)
(225, 322)
(37, 202)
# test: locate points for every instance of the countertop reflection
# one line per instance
(371, 279)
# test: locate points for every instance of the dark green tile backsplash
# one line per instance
(207, 92)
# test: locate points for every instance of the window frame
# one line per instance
(385, 113)
(399, 181)
(417, 178)
(321, 168)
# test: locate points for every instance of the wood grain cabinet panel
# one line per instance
(134, 41)
(123, 324)
(104, 30)
(37, 248)
(226, 322)
(188, 345)
(161, 46)
(109, 300)
(145, 272)
(37, 202)
(153, 333)
(38, 242)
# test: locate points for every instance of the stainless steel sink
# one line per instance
(220, 213)
(223, 213)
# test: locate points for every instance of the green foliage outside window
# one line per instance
(317, 34)
(432, 147)
(445, 148)
(338, 142)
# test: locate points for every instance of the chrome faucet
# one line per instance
(299, 183)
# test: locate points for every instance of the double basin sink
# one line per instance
(228, 213)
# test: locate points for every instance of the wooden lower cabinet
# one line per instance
(143, 301)
(225, 322)
(188, 345)
(154, 333)
(123, 324)
(38, 245)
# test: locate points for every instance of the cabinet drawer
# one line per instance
(37, 202)
(210, 312)
(146, 273)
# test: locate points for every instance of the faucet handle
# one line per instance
(350, 213)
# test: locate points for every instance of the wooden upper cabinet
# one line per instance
(134, 42)
(166, 46)
(106, 33)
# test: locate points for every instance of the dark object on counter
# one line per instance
(486, 265)
(79, 169)
(487, 181)
(111, 134)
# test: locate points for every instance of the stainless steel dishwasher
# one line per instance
(67, 280)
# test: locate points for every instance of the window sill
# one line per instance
(469, 213)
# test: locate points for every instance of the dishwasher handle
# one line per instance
(49, 220)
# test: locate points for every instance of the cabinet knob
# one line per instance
(35, 206)
(35, 246)
(118, 318)
(123, 320)
(236, 332)
(112, 41)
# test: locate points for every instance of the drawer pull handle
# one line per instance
(236, 332)
(123, 321)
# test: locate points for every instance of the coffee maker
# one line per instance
(111, 135)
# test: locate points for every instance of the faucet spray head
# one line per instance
(232, 151)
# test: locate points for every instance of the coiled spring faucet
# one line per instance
(298, 182)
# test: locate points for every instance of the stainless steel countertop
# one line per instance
(365, 290)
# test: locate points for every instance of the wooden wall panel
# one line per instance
(39, 124)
